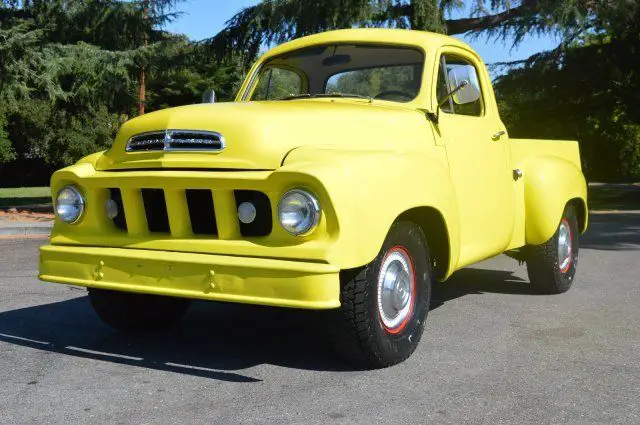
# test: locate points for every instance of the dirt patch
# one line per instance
(14, 215)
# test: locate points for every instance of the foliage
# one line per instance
(585, 90)
(277, 21)
(181, 71)
(70, 75)
(585, 95)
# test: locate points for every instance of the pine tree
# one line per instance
(71, 73)
(275, 21)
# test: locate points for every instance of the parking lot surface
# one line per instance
(493, 353)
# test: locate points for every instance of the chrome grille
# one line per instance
(177, 140)
(146, 142)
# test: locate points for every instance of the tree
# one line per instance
(588, 92)
(276, 21)
(153, 14)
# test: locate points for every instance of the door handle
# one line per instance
(496, 136)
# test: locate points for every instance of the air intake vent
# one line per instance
(146, 142)
(201, 212)
(177, 140)
(119, 220)
(180, 140)
(156, 210)
(263, 222)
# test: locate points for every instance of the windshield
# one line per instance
(369, 71)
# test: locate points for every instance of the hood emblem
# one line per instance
(177, 140)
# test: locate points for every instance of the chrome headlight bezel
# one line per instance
(81, 203)
(311, 202)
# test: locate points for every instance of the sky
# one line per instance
(205, 18)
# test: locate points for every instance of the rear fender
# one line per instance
(550, 183)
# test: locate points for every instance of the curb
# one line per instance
(40, 229)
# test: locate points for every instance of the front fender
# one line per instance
(550, 183)
(369, 190)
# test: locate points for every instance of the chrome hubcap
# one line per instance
(565, 248)
(395, 289)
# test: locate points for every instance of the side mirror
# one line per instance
(209, 96)
(470, 91)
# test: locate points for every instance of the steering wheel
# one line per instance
(393, 93)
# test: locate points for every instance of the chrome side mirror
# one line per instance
(465, 80)
(209, 96)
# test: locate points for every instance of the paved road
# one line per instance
(493, 353)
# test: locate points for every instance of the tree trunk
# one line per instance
(142, 89)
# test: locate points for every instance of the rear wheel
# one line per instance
(137, 312)
(552, 265)
(385, 304)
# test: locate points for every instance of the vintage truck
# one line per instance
(354, 170)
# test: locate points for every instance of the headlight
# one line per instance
(69, 204)
(299, 212)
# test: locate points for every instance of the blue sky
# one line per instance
(204, 18)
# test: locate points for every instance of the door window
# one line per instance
(450, 67)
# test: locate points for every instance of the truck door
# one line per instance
(478, 154)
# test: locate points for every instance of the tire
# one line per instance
(137, 312)
(364, 330)
(548, 273)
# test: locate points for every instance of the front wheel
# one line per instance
(552, 266)
(137, 312)
(385, 304)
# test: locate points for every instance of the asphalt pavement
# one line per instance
(493, 353)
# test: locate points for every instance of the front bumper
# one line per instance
(246, 280)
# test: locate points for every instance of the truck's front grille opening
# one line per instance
(184, 213)
(119, 220)
(201, 212)
(263, 222)
(155, 208)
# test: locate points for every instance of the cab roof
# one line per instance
(423, 39)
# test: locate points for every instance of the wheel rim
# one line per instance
(565, 246)
(396, 289)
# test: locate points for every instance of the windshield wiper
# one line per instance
(338, 94)
(324, 95)
(296, 96)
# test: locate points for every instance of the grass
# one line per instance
(20, 196)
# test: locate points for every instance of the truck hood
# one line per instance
(259, 135)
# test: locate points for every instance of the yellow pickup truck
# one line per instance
(354, 170)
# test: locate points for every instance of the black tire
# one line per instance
(546, 272)
(137, 312)
(358, 332)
